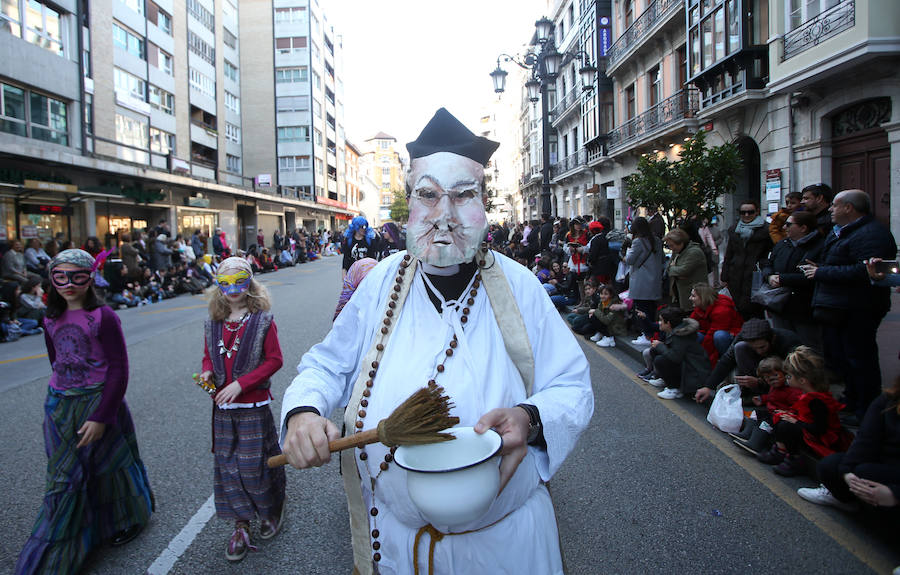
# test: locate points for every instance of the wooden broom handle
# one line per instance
(352, 440)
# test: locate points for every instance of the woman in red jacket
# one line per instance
(718, 318)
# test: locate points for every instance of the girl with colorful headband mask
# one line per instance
(240, 355)
(88, 431)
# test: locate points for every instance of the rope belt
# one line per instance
(437, 536)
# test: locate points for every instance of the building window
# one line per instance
(316, 56)
(802, 11)
(290, 45)
(629, 13)
(136, 5)
(233, 164)
(229, 14)
(385, 173)
(232, 133)
(317, 80)
(12, 110)
(231, 71)
(89, 113)
(43, 25)
(127, 84)
(48, 119)
(293, 134)
(159, 17)
(293, 163)
(654, 81)
(287, 15)
(292, 103)
(132, 131)
(715, 31)
(128, 41)
(159, 59)
(629, 102)
(162, 100)
(202, 83)
(291, 75)
(232, 102)
(229, 39)
(318, 137)
(320, 167)
(317, 108)
(162, 142)
(202, 15)
(201, 48)
(314, 24)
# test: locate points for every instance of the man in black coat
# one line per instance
(816, 200)
(546, 232)
(846, 303)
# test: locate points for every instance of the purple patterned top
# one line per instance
(87, 347)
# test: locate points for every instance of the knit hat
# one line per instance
(595, 226)
(756, 329)
(75, 256)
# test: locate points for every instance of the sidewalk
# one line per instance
(888, 343)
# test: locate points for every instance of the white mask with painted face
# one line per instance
(447, 222)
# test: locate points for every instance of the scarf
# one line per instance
(355, 276)
(744, 231)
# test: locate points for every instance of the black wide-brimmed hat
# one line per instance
(444, 133)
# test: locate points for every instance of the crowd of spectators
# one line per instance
(785, 306)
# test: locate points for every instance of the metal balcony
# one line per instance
(825, 25)
(568, 164)
(567, 103)
(657, 12)
(681, 106)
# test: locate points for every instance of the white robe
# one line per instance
(479, 377)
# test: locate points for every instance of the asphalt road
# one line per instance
(650, 488)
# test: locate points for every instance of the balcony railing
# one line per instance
(572, 97)
(684, 104)
(824, 26)
(655, 12)
(569, 163)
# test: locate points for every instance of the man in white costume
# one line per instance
(481, 326)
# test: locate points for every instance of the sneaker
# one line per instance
(126, 535)
(759, 441)
(648, 376)
(641, 340)
(646, 373)
(771, 457)
(746, 429)
(239, 543)
(670, 393)
(657, 382)
(597, 336)
(270, 528)
(608, 341)
(791, 466)
(822, 496)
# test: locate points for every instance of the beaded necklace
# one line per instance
(228, 351)
(367, 392)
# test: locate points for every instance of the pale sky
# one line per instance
(404, 59)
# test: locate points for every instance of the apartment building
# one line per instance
(296, 92)
(807, 89)
(500, 172)
(383, 163)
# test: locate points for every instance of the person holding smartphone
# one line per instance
(883, 273)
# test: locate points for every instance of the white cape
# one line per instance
(478, 378)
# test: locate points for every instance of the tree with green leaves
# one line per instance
(399, 207)
(689, 186)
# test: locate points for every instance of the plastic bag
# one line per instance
(726, 413)
(622, 272)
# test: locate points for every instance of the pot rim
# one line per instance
(460, 468)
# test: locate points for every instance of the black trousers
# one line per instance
(668, 370)
(648, 306)
(791, 435)
(851, 350)
(831, 477)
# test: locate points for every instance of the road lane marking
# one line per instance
(842, 534)
(173, 309)
(23, 358)
(180, 543)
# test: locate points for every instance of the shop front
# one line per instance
(115, 219)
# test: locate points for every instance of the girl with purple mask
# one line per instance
(97, 487)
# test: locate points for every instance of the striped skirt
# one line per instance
(92, 493)
(245, 488)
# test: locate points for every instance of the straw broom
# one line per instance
(416, 421)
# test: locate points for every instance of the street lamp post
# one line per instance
(544, 65)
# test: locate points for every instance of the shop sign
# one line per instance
(197, 202)
(329, 202)
(773, 190)
(48, 210)
(50, 186)
(612, 193)
(264, 181)
(29, 232)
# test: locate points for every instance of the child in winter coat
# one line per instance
(811, 422)
(608, 318)
(780, 396)
(680, 362)
(579, 317)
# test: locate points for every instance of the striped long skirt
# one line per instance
(245, 488)
(92, 493)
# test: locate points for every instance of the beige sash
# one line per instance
(515, 339)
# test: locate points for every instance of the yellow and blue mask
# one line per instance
(233, 284)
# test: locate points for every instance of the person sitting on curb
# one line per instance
(869, 472)
(756, 341)
(680, 361)
(719, 320)
(580, 318)
(608, 317)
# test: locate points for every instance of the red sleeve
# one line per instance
(270, 364)
(113, 343)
